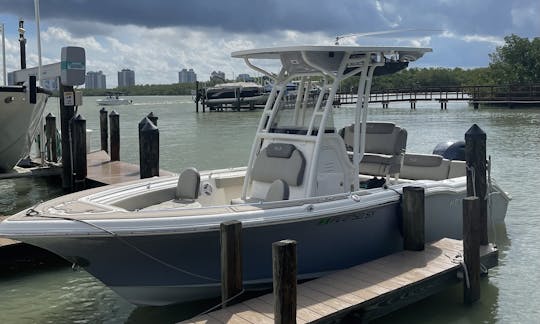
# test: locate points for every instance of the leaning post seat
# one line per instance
(384, 150)
(278, 165)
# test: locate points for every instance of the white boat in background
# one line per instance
(243, 93)
(19, 123)
(156, 241)
(113, 99)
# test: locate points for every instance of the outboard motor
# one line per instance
(451, 150)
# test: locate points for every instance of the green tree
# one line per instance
(517, 61)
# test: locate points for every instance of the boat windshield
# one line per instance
(295, 115)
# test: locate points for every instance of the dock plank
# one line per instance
(101, 169)
(375, 288)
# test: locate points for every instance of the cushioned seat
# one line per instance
(277, 167)
(384, 148)
(187, 191)
(424, 166)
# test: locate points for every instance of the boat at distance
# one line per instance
(19, 123)
(113, 99)
(235, 93)
(337, 192)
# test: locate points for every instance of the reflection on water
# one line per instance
(18, 194)
(217, 140)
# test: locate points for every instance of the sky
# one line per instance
(158, 38)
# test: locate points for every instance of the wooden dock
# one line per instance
(102, 171)
(505, 95)
(366, 291)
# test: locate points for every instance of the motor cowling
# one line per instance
(451, 150)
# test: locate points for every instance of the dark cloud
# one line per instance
(487, 17)
(251, 16)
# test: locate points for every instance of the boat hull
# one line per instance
(189, 263)
(19, 125)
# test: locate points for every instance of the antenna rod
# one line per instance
(22, 44)
(3, 54)
(36, 11)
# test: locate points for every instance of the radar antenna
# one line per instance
(383, 32)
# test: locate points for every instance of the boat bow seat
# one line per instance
(385, 148)
(424, 166)
(278, 167)
(187, 191)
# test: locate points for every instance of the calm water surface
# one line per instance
(218, 140)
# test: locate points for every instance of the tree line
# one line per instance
(515, 62)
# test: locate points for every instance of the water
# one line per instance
(218, 140)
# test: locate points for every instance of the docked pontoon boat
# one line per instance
(243, 93)
(156, 241)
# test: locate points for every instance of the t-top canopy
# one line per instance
(309, 59)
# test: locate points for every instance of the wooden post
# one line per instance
(104, 129)
(284, 266)
(67, 112)
(475, 155)
(197, 96)
(114, 121)
(231, 260)
(52, 144)
(237, 96)
(153, 118)
(471, 249)
(413, 218)
(148, 149)
(78, 136)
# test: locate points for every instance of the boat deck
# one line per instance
(369, 290)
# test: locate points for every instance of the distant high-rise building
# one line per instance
(244, 77)
(187, 76)
(126, 78)
(95, 80)
(217, 76)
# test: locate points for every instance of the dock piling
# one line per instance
(471, 249)
(413, 218)
(104, 129)
(67, 112)
(153, 118)
(78, 136)
(284, 266)
(114, 120)
(475, 156)
(231, 260)
(50, 132)
(148, 149)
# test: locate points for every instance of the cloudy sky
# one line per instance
(157, 38)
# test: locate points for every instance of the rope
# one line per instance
(459, 259)
(126, 242)
(473, 178)
(490, 201)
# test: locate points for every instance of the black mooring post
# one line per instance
(115, 135)
(78, 136)
(475, 155)
(197, 96)
(231, 260)
(413, 218)
(284, 269)
(471, 249)
(148, 149)
(153, 118)
(104, 129)
(67, 112)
